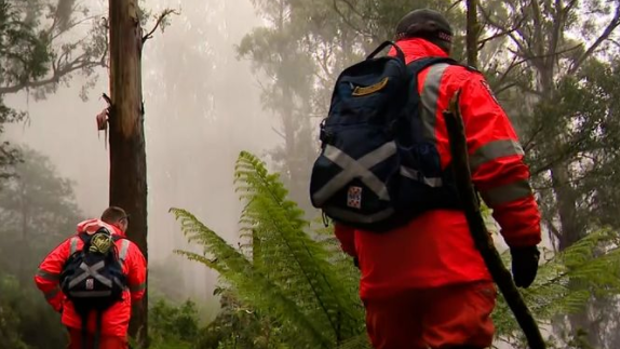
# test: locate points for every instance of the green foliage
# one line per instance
(37, 210)
(57, 50)
(38, 51)
(26, 320)
(9, 318)
(182, 321)
(289, 279)
(173, 327)
(25, 54)
(587, 105)
(283, 279)
(22, 57)
(566, 282)
(237, 326)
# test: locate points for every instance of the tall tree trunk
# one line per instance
(572, 229)
(128, 187)
(472, 33)
(25, 236)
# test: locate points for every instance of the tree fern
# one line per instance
(251, 285)
(296, 281)
(292, 256)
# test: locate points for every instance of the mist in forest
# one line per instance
(202, 108)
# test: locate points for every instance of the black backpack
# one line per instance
(375, 170)
(92, 278)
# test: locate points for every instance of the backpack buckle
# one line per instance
(325, 136)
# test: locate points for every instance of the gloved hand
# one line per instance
(524, 265)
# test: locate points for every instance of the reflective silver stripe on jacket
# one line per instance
(494, 150)
(52, 293)
(48, 275)
(122, 255)
(73, 246)
(506, 193)
(429, 98)
(138, 287)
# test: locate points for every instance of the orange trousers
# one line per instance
(439, 318)
(105, 342)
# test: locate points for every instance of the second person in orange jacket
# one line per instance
(425, 284)
(115, 320)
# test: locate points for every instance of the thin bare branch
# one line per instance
(570, 6)
(553, 229)
(539, 41)
(278, 132)
(160, 19)
(72, 25)
(500, 89)
(502, 32)
(454, 4)
(529, 144)
(346, 20)
(512, 66)
(58, 72)
(557, 31)
(613, 24)
(544, 56)
(511, 34)
(358, 13)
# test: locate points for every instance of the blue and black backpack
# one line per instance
(375, 171)
(92, 278)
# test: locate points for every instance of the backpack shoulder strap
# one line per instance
(423, 125)
(415, 67)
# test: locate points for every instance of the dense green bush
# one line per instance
(26, 320)
(172, 325)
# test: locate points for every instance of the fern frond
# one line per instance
(567, 281)
(254, 288)
(300, 265)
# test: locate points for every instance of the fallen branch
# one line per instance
(482, 238)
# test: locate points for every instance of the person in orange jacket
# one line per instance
(115, 319)
(425, 285)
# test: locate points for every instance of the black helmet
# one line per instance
(427, 24)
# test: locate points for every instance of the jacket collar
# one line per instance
(90, 226)
(416, 48)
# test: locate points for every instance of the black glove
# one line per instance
(524, 265)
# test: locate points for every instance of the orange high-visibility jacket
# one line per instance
(115, 320)
(436, 248)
